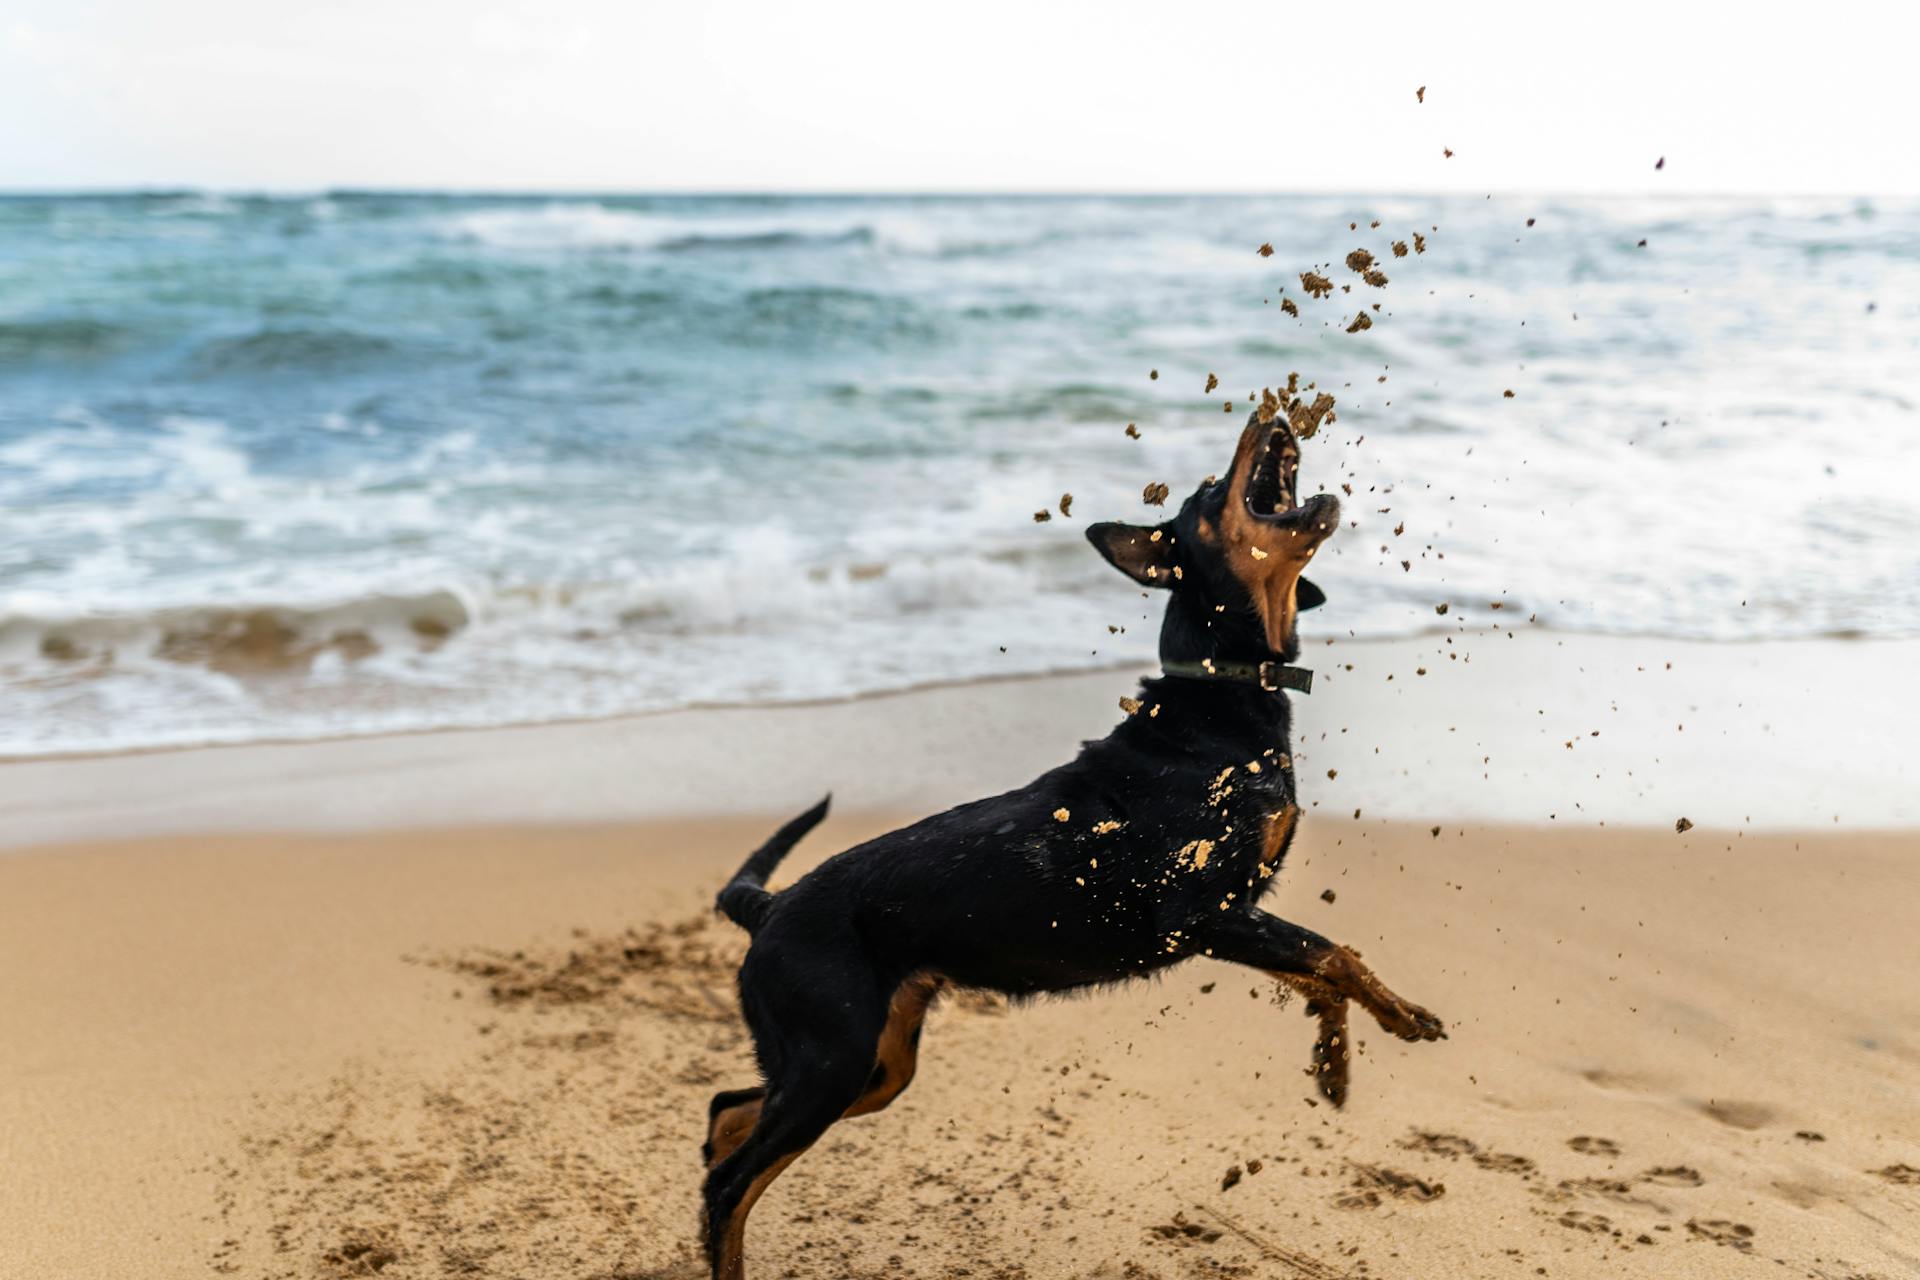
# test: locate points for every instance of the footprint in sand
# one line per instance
(1587, 1146)
(1677, 1175)
(1181, 1229)
(1735, 1235)
(1374, 1184)
(360, 1254)
(1901, 1175)
(1505, 1162)
(1598, 1224)
(1452, 1146)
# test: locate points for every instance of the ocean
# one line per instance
(301, 466)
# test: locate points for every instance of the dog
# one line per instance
(1154, 845)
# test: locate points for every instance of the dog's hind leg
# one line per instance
(736, 1114)
(1328, 973)
(817, 1022)
(733, 1113)
(898, 1054)
(730, 1118)
(795, 1112)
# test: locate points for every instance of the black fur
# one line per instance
(1153, 845)
(745, 899)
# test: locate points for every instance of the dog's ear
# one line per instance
(1307, 596)
(1142, 552)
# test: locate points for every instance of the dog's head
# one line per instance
(1233, 555)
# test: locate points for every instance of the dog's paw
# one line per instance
(1331, 1076)
(1330, 1060)
(1410, 1022)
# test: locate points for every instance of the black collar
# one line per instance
(1270, 676)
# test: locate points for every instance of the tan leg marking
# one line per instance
(731, 1127)
(895, 1059)
(731, 1264)
(1279, 832)
(898, 1054)
(1340, 969)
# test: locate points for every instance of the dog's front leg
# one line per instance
(1328, 974)
(1332, 1046)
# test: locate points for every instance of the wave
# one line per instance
(592, 225)
(595, 226)
(766, 595)
(290, 349)
(766, 240)
(237, 640)
(60, 338)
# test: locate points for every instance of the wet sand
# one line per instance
(1493, 721)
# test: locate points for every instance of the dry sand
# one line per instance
(487, 1053)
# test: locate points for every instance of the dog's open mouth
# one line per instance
(1273, 488)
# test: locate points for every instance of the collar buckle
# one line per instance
(1275, 676)
(1270, 676)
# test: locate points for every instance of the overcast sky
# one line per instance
(896, 96)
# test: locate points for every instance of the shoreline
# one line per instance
(1544, 728)
(363, 735)
(1843, 638)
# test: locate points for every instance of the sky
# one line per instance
(759, 95)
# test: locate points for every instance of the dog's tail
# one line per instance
(745, 899)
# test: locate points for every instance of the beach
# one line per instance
(470, 478)
(453, 1003)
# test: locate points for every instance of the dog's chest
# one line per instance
(1253, 806)
(1220, 828)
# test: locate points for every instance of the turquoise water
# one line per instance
(309, 465)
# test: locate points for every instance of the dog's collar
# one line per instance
(1270, 676)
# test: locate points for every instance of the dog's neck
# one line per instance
(1211, 718)
(1236, 711)
(1192, 631)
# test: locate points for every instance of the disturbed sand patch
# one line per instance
(535, 1109)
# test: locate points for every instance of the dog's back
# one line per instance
(1093, 872)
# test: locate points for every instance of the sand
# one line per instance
(297, 1056)
(361, 1044)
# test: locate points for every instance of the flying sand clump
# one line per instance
(1362, 263)
(1303, 418)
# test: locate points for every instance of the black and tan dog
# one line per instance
(1154, 845)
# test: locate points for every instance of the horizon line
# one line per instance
(157, 190)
